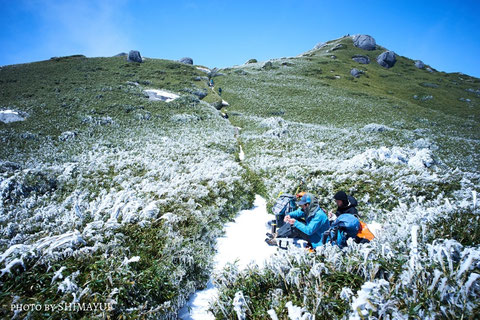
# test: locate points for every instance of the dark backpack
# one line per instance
(285, 204)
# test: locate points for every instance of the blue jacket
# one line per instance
(317, 224)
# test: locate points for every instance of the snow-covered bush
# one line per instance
(126, 214)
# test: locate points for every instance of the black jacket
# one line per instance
(350, 208)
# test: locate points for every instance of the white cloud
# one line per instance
(93, 28)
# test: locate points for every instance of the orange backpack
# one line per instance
(364, 232)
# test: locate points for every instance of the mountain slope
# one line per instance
(106, 195)
(412, 162)
(110, 197)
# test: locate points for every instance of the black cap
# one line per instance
(341, 195)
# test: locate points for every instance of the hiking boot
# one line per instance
(271, 241)
(272, 235)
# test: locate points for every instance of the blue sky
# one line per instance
(444, 34)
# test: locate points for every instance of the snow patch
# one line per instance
(160, 95)
(7, 116)
(241, 235)
(203, 69)
(375, 228)
(241, 155)
(236, 246)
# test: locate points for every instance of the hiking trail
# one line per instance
(234, 246)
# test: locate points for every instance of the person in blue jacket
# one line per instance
(316, 222)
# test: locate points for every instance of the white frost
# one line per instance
(272, 314)
(132, 259)
(474, 196)
(12, 264)
(362, 303)
(417, 158)
(414, 246)
(297, 313)
(240, 305)
(58, 274)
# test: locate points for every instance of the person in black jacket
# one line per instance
(345, 204)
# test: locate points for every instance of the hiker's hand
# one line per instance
(291, 221)
(287, 217)
(330, 214)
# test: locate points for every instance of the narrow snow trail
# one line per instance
(243, 242)
(241, 155)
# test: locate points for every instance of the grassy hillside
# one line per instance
(98, 175)
(109, 197)
(316, 89)
(307, 124)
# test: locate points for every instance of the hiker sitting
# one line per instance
(316, 222)
(345, 223)
(345, 204)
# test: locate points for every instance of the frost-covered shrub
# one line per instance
(273, 122)
(184, 118)
(126, 214)
(375, 127)
(373, 281)
(67, 135)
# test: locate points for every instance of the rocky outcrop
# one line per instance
(364, 42)
(356, 73)
(361, 59)
(419, 64)
(134, 56)
(336, 47)
(186, 60)
(387, 59)
(267, 65)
